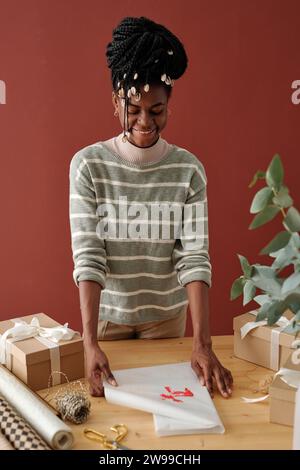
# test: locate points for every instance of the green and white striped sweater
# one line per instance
(142, 275)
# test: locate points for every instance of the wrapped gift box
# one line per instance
(283, 397)
(32, 360)
(256, 346)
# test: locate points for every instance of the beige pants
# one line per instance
(172, 328)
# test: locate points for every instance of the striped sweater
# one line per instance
(141, 268)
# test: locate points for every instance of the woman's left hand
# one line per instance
(207, 366)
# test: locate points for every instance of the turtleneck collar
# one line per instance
(135, 154)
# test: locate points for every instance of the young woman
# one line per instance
(135, 279)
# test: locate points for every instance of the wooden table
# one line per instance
(247, 426)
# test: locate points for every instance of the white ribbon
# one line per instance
(275, 346)
(290, 376)
(282, 323)
(254, 400)
(50, 337)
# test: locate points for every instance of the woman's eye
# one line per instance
(136, 112)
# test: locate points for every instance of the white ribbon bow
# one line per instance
(48, 336)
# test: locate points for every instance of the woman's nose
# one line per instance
(144, 119)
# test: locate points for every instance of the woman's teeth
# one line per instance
(144, 132)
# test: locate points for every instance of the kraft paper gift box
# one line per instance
(283, 395)
(266, 346)
(34, 358)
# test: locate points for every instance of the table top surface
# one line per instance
(247, 426)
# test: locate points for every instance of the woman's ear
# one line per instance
(115, 101)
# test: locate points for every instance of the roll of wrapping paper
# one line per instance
(4, 443)
(20, 435)
(36, 413)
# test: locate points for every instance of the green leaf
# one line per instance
(264, 277)
(258, 175)
(274, 174)
(294, 306)
(275, 311)
(261, 316)
(283, 257)
(246, 267)
(263, 271)
(249, 291)
(278, 242)
(292, 220)
(237, 288)
(293, 300)
(282, 198)
(296, 318)
(262, 299)
(263, 311)
(296, 240)
(264, 216)
(291, 283)
(261, 199)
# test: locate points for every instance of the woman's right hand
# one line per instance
(96, 365)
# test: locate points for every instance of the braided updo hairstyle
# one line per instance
(143, 53)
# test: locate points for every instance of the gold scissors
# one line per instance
(111, 444)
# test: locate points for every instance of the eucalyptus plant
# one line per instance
(276, 293)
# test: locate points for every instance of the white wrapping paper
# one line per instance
(181, 405)
(52, 429)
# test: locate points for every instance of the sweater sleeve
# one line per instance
(89, 251)
(190, 255)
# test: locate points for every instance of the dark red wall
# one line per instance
(232, 108)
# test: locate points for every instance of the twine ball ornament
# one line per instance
(71, 402)
(73, 406)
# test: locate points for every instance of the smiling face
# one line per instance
(147, 117)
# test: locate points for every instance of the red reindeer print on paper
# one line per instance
(176, 393)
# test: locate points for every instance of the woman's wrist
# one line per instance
(200, 343)
(90, 342)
